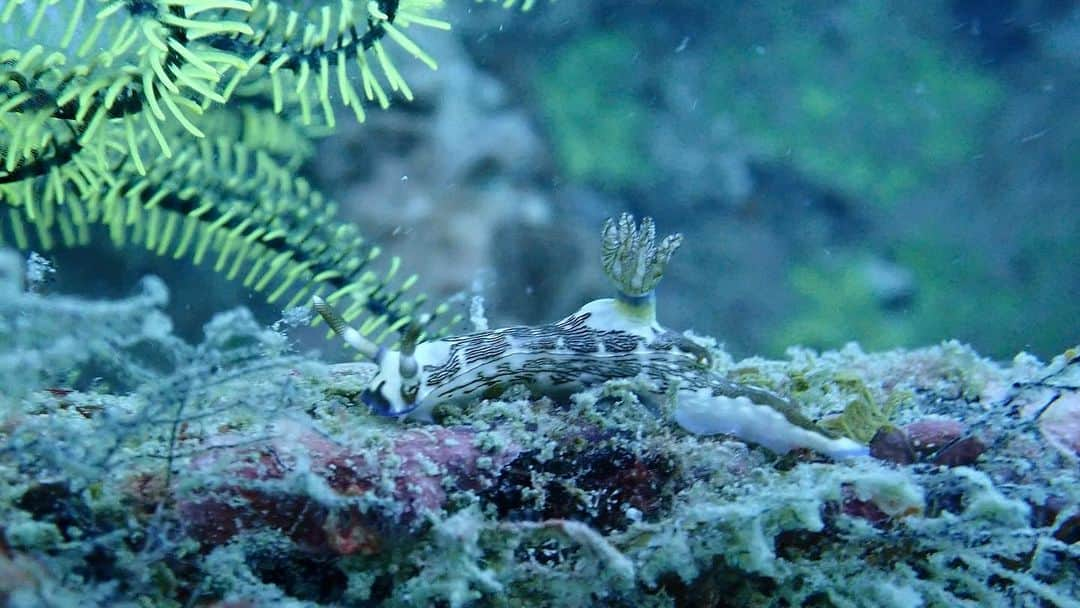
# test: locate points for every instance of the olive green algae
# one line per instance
(120, 440)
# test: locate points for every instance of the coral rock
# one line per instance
(1060, 423)
(335, 498)
(929, 436)
(892, 444)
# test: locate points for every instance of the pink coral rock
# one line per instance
(335, 498)
(1060, 423)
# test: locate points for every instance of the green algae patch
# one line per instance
(868, 103)
(590, 98)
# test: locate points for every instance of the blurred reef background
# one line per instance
(880, 203)
(877, 172)
(873, 171)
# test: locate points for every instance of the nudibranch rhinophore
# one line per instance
(606, 339)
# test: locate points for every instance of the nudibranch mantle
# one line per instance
(615, 338)
(597, 343)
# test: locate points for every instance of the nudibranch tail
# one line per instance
(704, 412)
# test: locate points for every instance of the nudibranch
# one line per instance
(612, 338)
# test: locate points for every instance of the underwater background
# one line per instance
(880, 209)
(877, 172)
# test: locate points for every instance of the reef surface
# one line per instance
(136, 469)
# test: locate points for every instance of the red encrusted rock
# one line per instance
(591, 478)
(960, 453)
(929, 436)
(862, 509)
(334, 498)
(892, 444)
(939, 441)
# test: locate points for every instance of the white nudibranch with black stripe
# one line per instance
(606, 339)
